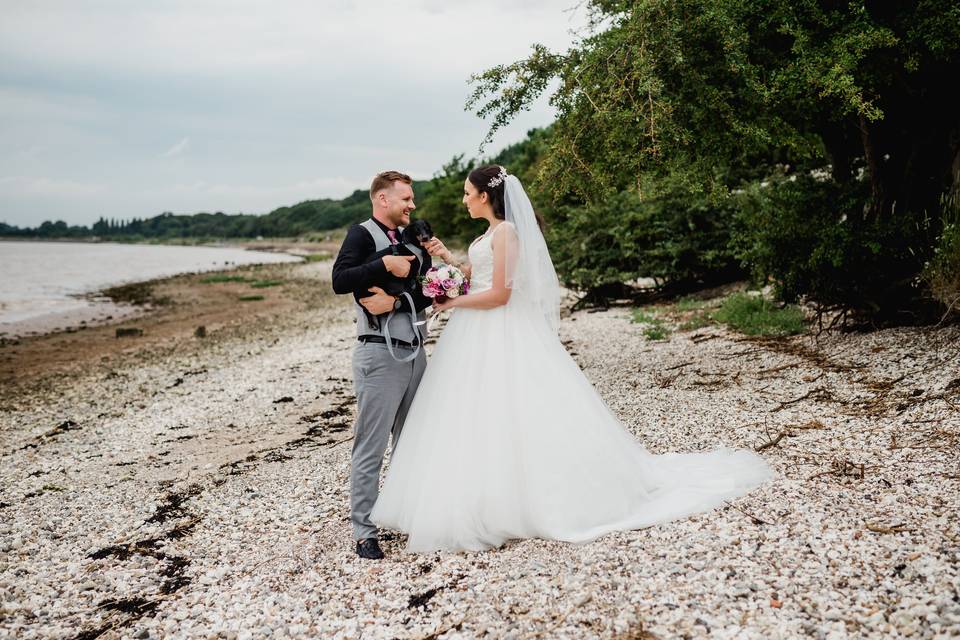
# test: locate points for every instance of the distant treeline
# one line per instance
(296, 220)
(438, 195)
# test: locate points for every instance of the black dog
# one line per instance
(415, 233)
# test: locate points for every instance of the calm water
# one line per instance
(41, 280)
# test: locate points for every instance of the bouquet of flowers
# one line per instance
(443, 282)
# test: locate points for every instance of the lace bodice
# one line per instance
(481, 263)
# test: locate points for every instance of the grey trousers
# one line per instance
(385, 389)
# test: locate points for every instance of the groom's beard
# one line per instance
(401, 219)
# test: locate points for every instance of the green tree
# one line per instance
(441, 203)
(715, 94)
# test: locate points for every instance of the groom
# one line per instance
(384, 386)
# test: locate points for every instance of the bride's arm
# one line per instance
(465, 267)
(499, 294)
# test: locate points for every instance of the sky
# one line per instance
(129, 108)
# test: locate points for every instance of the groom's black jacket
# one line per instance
(355, 269)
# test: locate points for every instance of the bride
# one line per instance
(506, 438)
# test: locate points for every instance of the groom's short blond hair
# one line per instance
(385, 180)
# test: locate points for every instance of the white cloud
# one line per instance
(291, 99)
(215, 36)
(277, 193)
(47, 187)
(178, 149)
(200, 195)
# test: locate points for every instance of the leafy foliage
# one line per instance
(691, 97)
(441, 203)
(805, 235)
(654, 327)
(440, 199)
(678, 239)
(756, 316)
(942, 272)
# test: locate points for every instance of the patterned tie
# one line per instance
(392, 234)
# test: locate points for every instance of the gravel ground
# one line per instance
(205, 494)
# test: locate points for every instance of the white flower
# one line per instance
(497, 179)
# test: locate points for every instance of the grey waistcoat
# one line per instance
(400, 323)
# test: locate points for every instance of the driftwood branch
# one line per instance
(894, 528)
(820, 393)
(842, 469)
(772, 442)
(752, 517)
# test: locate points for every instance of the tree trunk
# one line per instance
(955, 170)
(842, 145)
(874, 170)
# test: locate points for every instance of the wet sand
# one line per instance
(37, 352)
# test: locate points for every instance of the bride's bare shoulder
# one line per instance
(506, 227)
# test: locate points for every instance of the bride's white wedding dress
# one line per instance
(506, 438)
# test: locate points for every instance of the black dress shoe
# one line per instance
(369, 549)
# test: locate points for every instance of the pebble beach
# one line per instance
(188, 484)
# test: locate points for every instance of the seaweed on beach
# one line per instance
(173, 571)
(173, 568)
(136, 293)
(172, 506)
(263, 284)
(129, 605)
(52, 434)
(63, 427)
(421, 599)
(237, 467)
(224, 277)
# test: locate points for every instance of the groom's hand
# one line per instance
(398, 266)
(379, 302)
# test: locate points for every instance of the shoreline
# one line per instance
(99, 311)
(164, 311)
(107, 304)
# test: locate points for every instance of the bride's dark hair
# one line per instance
(481, 178)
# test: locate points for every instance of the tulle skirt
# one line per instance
(506, 438)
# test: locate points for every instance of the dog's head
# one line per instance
(417, 232)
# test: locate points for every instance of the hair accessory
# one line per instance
(497, 179)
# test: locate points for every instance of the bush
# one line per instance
(812, 240)
(942, 272)
(680, 239)
(654, 329)
(756, 316)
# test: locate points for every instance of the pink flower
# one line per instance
(443, 281)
